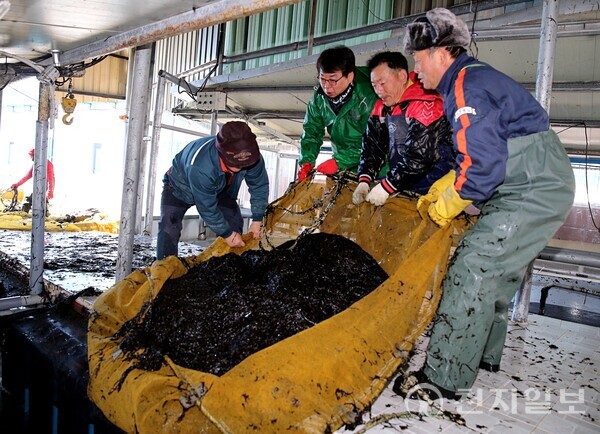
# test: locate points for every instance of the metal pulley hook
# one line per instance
(70, 88)
(68, 104)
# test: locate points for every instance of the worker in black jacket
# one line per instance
(407, 127)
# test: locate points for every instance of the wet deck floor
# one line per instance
(78, 260)
(549, 380)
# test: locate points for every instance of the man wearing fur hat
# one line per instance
(208, 173)
(512, 167)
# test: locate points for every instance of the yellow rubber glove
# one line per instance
(434, 192)
(437, 187)
(448, 205)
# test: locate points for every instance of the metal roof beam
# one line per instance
(534, 13)
(484, 29)
(198, 18)
(299, 115)
(570, 86)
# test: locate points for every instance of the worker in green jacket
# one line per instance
(342, 104)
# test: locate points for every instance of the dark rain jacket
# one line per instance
(486, 108)
(199, 177)
(415, 137)
(345, 129)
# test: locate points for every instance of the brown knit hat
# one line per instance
(237, 145)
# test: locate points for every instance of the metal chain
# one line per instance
(13, 202)
(340, 181)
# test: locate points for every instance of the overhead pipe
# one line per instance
(198, 18)
(183, 130)
(135, 134)
(543, 92)
(546, 53)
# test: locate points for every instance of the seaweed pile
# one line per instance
(229, 307)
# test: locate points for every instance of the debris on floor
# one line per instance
(549, 381)
(77, 260)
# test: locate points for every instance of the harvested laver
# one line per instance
(229, 307)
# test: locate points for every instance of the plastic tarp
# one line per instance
(314, 381)
(21, 221)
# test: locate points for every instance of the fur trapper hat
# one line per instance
(439, 28)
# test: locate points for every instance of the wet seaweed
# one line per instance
(229, 307)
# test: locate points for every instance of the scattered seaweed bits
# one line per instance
(229, 307)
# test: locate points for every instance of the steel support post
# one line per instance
(38, 208)
(156, 128)
(546, 53)
(543, 93)
(135, 135)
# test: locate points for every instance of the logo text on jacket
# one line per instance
(464, 110)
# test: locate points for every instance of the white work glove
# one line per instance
(378, 195)
(360, 193)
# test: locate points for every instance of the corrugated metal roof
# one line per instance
(32, 28)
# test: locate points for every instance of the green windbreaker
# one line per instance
(345, 129)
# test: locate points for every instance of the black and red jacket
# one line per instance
(415, 138)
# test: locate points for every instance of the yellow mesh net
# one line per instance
(314, 381)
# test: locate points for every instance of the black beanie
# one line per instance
(236, 145)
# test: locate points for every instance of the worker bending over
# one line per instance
(208, 173)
